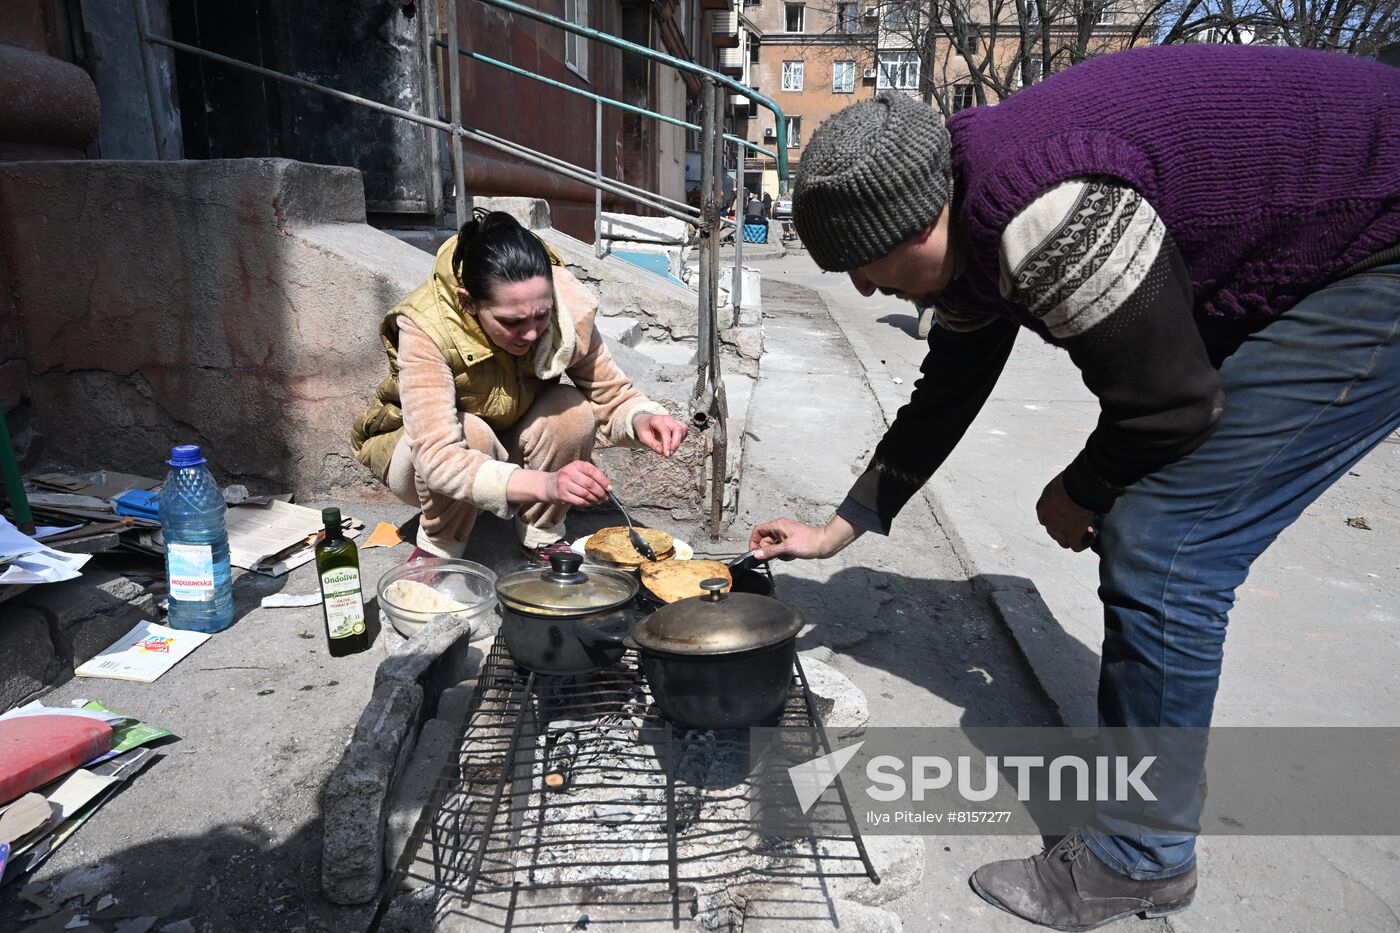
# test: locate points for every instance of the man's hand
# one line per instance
(1069, 524)
(788, 539)
(579, 483)
(661, 433)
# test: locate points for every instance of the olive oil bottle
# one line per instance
(338, 565)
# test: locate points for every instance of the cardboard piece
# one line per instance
(385, 534)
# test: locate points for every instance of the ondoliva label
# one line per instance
(345, 608)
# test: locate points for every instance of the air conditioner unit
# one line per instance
(770, 133)
(869, 74)
(872, 12)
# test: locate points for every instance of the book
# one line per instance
(143, 654)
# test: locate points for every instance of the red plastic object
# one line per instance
(36, 749)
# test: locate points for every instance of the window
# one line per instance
(896, 16)
(1106, 13)
(792, 76)
(794, 132)
(848, 17)
(796, 17)
(971, 35)
(1030, 74)
(963, 97)
(748, 3)
(843, 78)
(576, 47)
(899, 70)
(753, 51)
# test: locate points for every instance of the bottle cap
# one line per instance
(331, 517)
(186, 455)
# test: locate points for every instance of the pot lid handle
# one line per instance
(714, 589)
(564, 568)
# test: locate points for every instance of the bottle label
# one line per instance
(345, 607)
(191, 572)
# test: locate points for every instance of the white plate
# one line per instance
(683, 550)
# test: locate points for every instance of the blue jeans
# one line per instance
(1305, 398)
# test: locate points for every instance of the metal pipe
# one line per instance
(708, 211)
(736, 284)
(679, 64)
(148, 65)
(598, 175)
(612, 102)
(719, 446)
(454, 70)
(719, 459)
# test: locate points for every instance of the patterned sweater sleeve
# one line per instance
(441, 458)
(1092, 260)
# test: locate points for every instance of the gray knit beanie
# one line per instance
(873, 175)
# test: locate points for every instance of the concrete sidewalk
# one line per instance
(1314, 635)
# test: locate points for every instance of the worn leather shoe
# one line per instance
(1067, 887)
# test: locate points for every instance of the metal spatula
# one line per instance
(637, 540)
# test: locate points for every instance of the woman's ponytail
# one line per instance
(493, 247)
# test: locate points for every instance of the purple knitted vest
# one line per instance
(1272, 169)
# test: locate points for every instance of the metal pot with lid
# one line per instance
(564, 620)
(721, 660)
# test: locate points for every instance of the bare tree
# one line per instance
(1356, 27)
(981, 51)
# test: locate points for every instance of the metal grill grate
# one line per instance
(637, 802)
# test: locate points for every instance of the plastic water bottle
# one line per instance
(196, 544)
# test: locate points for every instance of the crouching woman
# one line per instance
(473, 415)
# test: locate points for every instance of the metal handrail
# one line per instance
(599, 98)
(646, 199)
(679, 64)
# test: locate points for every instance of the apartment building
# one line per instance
(815, 57)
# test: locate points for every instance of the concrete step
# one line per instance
(624, 330)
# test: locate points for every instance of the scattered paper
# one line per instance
(143, 654)
(31, 562)
(385, 534)
(76, 791)
(273, 538)
(23, 818)
(288, 600)
(43, 531)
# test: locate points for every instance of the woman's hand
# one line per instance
(579, 483)
(661, 433)
(1068, 523)
(787, 539)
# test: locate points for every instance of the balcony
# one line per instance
(724, 29)
(731, 62)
